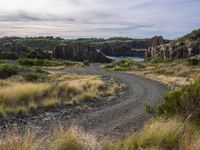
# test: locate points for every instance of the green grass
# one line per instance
(124, 65)
(38, 62)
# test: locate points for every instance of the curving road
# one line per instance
(128, 113)
(113, 119)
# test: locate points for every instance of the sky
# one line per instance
(99, 18)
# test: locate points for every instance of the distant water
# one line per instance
(126, 58)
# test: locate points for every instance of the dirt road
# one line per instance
(128, 112)
(112, 118)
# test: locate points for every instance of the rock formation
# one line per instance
(174, 51)
(134, 48)
(97, 51)
(79, 52)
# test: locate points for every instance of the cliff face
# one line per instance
(79, 52)
(96, 51)
(174, 50)
(129, 48)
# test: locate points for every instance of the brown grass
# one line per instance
(16, 141)
(19, 97)
(73, 139)
(160, 134)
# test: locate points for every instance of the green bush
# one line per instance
(39, 54)
(156, 60)
(184, 102)
(8, 55)
(38, 62)
(33, 76)
(7, 70)
(193, 61)
(124, 65)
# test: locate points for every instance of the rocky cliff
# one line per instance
(79, 51)
(134, 48)
(184, 47)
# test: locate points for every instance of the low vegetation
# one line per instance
(175, 125)
(7, 70)
(123, 65)
(17, 141)
(191, 36)
(183, 102)
(176, 121)
(38, 62)
(20, 96)
(157, 134)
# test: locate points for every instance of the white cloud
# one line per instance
(105, 18)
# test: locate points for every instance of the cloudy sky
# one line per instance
(99, 18)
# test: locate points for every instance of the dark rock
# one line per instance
(79, 52)
(156, 40)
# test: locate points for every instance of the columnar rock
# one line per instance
(171, 51)
(79, 52)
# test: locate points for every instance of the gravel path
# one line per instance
(114, 118)
(128, 112)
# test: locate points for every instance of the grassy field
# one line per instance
(175, 124)
(18, 95)
(25, 88)
(175, 73)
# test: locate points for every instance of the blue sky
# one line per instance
(99, 18)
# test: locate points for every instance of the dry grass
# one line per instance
(20, 93)
(20, 96)
(157, 134)
(160, 134)
(16, 141)
(73, 139)
(50, 102)
(174, 74)
(85, 88)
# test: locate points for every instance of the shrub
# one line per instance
(33, 76)
(38, 62)
(193, 61)
(8, 55)
(184, 102)
(124, 65)
(7, 71)
(156, 60)
(39, 54)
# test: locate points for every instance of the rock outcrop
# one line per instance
(135, 48)
(174, 51)
(97, 51)
(79, 52)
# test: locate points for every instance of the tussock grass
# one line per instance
(50, 102)
(16, 141)
(21, 97)
(81, 89)
(20, 93)
(160, 134)
(73, 139)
